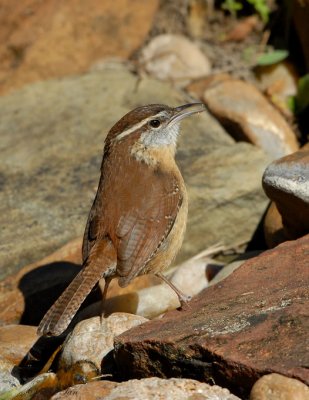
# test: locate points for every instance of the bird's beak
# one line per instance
(185, 111)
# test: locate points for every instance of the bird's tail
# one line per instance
(102, 257)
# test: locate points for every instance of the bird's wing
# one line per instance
(144, 227)
(92, 227)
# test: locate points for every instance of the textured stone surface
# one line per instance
(248, 116)
(41, 40)
(278, 387)
(57, 129)
(7, 380)
(51, 147)
(286, 182)
(252, 322)
(174, 58)
(150, 389)
(16, 341)
(89, 391)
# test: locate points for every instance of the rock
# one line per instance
(7, 380)
(76, 35)
(223, 186)
(226, 271)
(16, 341)
(250, 323)
(278, 387)
(197, 87)
(248, 116)
(279, 82)
(92, 340)
(80, 106)
(151, 388)
(88, 391)
(174, 58)
(286, 182)
(190, 277)
(41, 387)
(27, 295)
(35, 153)
(231, 267)
(273, 227)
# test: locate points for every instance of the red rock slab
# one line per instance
(252, 323)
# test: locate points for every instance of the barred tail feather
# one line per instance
(61, 313)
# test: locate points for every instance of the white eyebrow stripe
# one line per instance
(138, 125)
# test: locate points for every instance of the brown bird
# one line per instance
(138, 218)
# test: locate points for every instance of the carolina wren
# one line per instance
(138, 218)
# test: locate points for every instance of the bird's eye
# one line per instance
(155, 123)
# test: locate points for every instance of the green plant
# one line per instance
(300, 102)
(260, 7)
(272, 57)
(232, 6)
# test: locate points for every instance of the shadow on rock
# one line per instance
(42, 286)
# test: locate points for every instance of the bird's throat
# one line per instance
(154, 156)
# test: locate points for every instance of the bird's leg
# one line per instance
(183, 299)
(107, 281)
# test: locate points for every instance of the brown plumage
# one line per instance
(138, 218)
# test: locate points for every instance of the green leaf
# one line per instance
(302, 97)
(232, 6)
(261, 7)
(272, 57)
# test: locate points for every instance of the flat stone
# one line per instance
(252, 322)
(286, 182)
(149, 388)
(248, 116)
(58, 148)
(52, 136)
(225, 200)
(279, 387)
(76, 35)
